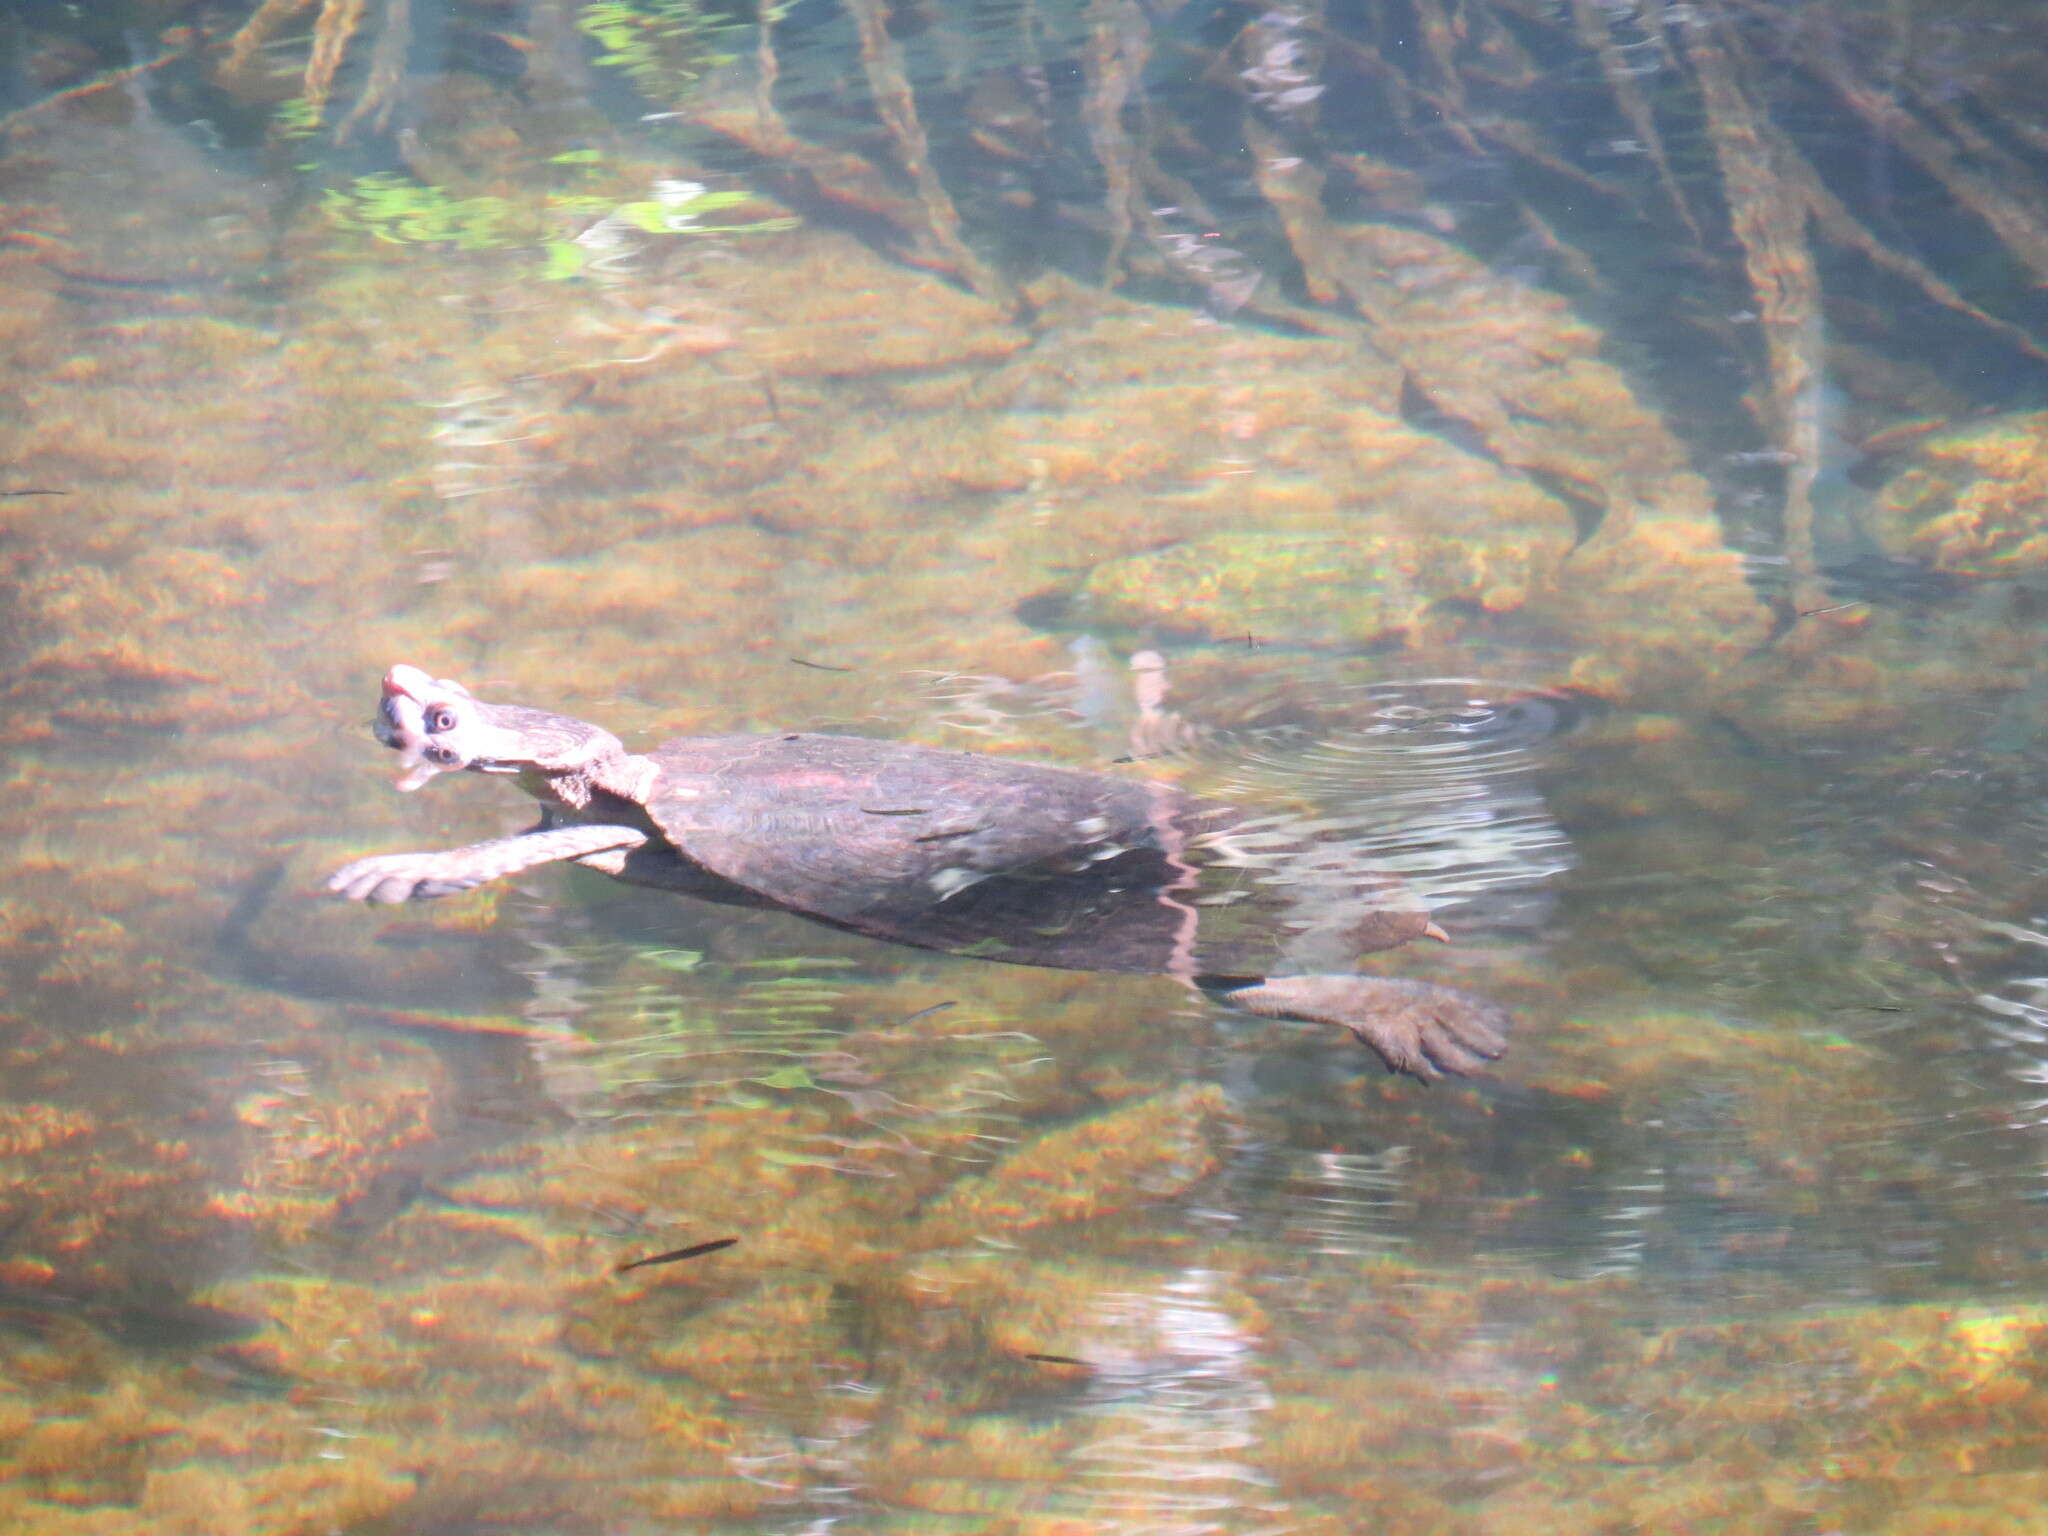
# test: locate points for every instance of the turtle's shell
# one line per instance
(1004, 860)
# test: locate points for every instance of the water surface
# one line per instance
(1585, 459)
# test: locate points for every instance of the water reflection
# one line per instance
(1436, 779)
(1170, 1407)
(1582, 459)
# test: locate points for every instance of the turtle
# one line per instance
(965, 853)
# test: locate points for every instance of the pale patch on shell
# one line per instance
(950, 882)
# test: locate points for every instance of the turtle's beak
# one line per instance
(401, 723)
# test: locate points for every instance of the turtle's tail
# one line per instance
(1416, 1027)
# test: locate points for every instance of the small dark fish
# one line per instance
(817, 666)
(1420, 411)
(177, 1324)
(243, 1372)
(499, 56)
(34, 493)
(676, 1256)
(1058, 1360)
(1880, 578)
(865, 811)
(1583, 499)
(941, 837)
(162, 1322)
(120, 282)
(381, 1202)
(922, 1012)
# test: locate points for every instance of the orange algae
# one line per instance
(985, 1449)
(1970, 500)
(1148, 1150)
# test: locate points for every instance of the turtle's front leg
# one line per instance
(417, 876)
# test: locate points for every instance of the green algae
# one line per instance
(399, 211)
(660, 45)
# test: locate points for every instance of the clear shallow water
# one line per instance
(313, 1216)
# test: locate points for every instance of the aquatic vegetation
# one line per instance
(660, 45)
(676, 208)
(885, 1098)
(399, 211)
(1665, 126)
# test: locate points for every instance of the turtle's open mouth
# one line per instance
(392, 727)
(401, 724)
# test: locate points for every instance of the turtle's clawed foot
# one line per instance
(393, 877)
(1416, 1027)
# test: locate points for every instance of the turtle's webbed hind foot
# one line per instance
(1416, 1027)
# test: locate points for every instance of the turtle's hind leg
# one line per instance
(1416, 1027)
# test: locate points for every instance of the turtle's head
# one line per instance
(439, 727)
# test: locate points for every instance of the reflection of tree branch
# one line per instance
(336, 26)
(1118, 47)
(2009, 215)
(767, 68)
(129, 77)
(897, 105)
(1769, 220)
(1844, 228)
(1598, 35)
(262, 25)
(387, 72)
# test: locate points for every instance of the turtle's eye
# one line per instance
(440, 718)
